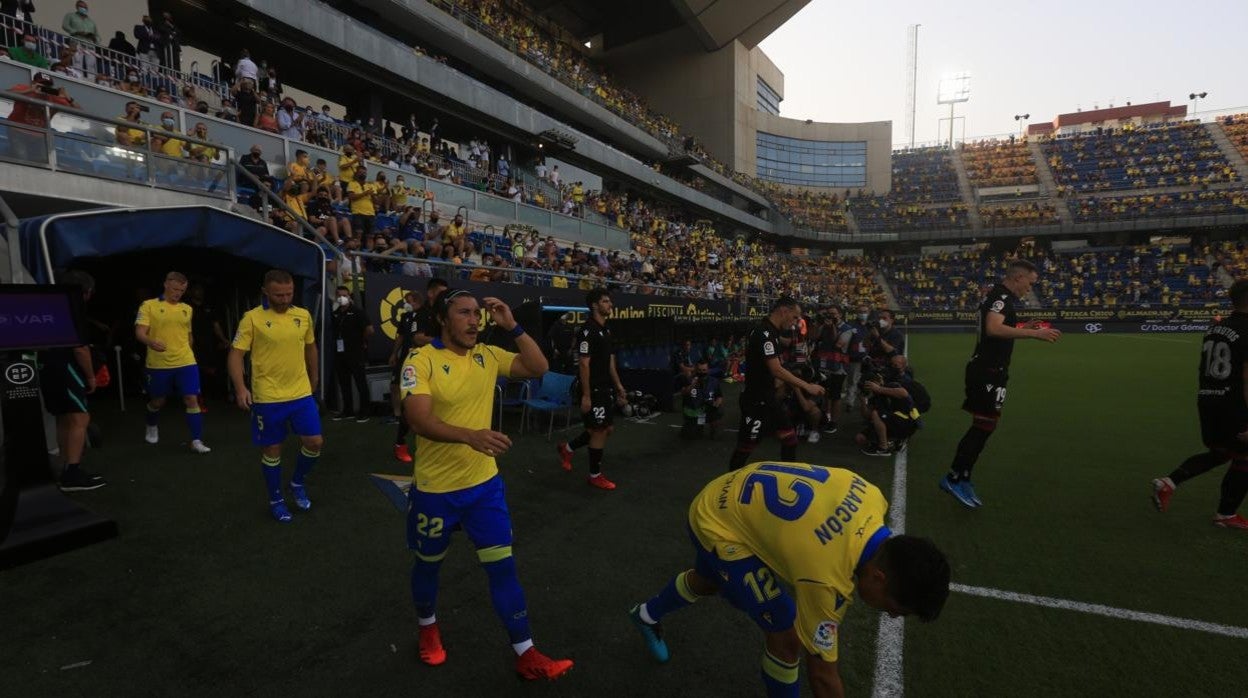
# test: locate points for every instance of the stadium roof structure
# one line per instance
(715, 23)
(1163, 110)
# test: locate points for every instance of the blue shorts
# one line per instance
(749, 585)
(163, 382)
(269, 420)
(480, 509)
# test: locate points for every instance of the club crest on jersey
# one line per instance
(825, 635)
(480, 360)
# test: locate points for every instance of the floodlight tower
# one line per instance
(912, 77)
(953, 88)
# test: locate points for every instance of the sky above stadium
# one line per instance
(846, 61)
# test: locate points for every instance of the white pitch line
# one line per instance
(890, 639)
(1107, 611)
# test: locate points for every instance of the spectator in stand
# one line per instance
(320, 213)
(270, 86)
(19, 11)
(190, 100)
(28, 52)
(170, 42)
(149, 40)
(228, 111)
(132, 137)
(267, 120)
(245, 71)
(131, 84)
(120, 45)
(253, 163)
(165, 140)
(79, 25)
(360, 194)
(31, 146)
(200, 152)
(381, 193)
(290, 121)
(348, 163)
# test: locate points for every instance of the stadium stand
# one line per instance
(1236, 129)
(925, 185)
(1149, 275)
(1161, 155)
(997, 163)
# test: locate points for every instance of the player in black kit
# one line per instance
(1223, 408)
(600, 390)
(987, 373)
(760, 405)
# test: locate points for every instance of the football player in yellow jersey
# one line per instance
(284, 375)
(821, 531)
(163, 325)
(448, 398)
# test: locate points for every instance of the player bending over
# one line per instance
(821, 531)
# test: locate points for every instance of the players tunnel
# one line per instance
(129, 251)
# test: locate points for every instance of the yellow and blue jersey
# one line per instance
(462, 390)
(810, 524)
(169, 323)
(276, 342)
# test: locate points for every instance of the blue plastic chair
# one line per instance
(511, 393)
(551, 397)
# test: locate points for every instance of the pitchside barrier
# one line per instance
(1081, 321)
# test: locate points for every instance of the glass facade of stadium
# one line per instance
(811, 163)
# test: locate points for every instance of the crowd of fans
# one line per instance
(1142, 276)
(1012, 215)
(999, 163)
(1156, 155)
(807, 210)
(1236, 129)
(1186, 203)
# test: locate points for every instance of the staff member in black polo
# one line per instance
(351, 333)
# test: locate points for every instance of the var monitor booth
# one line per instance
(36, 520)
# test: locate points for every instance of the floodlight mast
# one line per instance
(952, 89)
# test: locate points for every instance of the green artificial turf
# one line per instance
(202, 594)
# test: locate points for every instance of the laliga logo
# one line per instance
(1093, 327)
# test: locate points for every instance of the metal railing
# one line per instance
(450, 271)
(270, 197)
(100, 60)
(91, 147)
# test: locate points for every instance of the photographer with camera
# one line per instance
(701, 400)
(804, 410)
(31, 146)
(832, 355)
(893, 404)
